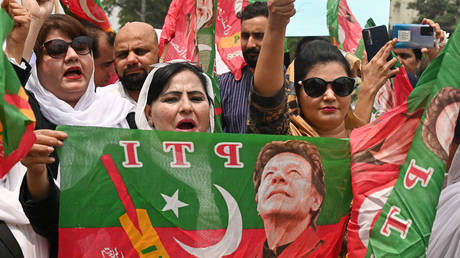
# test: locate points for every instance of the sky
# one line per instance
(310, 19)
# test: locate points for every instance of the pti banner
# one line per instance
(130, 193)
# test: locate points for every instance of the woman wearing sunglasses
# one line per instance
(321, 88)
(61, 92)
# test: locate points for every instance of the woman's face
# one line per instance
(68, 77)
(326, 112)
(182, 105)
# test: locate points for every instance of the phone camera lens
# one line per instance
(426, 31)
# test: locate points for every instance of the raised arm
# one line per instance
(16, 38)
(269, 72)
(39, 11)
(374, 74)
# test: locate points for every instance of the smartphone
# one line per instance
(413, 35)
(374, 39)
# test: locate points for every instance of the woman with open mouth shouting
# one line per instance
(176, 96)
(61, 92)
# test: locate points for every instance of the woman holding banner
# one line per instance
(322, 85)
(61, 92)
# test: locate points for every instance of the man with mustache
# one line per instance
(136, 48)
(234, 94)
(289, 185)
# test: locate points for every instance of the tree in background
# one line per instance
(444, 12)
(149, 11)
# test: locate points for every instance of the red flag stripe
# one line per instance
(17, 101)
(121, 188)
(27, 140)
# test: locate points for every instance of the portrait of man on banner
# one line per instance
(289, 185)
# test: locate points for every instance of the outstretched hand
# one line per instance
(440, 35)
(376, 72)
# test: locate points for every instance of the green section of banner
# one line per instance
(89, 198)
(412, 204)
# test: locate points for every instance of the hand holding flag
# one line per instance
(280, 11)
(16, 117)
(16, 38)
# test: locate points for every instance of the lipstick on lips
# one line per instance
(73, 73)
(328, 109)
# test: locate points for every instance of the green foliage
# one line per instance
(444, 12)
(131, 10)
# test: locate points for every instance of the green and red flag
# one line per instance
(87, 10)
(138, 192)
(17, 120)
(344, 29)
(398, 164)
(189, 33)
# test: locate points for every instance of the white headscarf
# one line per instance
(11, 212)
(92, 109)
(141, 119)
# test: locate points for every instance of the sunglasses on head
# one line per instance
(57, 48)
(316, 87)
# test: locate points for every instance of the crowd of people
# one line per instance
(67, 85)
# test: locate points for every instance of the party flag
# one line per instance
(17, 120)
(398, 164)
(189, 33)
(344, 29)
(87, 10)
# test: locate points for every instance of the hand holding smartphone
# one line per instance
(374, 39)
(414, 35)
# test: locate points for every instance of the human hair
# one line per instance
(161, 78)
(254, 10)
(417, 53)
(65, 24)
(306, 150)
(304, 41)
(97, 33)
(316, 52)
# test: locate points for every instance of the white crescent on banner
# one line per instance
(368, 210)
(84, 7)
(232, 238)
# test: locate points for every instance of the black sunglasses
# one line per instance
(316, 87)
(57, 48)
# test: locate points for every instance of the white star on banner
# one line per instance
(173, 203)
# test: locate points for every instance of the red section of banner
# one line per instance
(27, 140)
(91, 242)
(377, 152)
(228, 34)
(349, 28)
